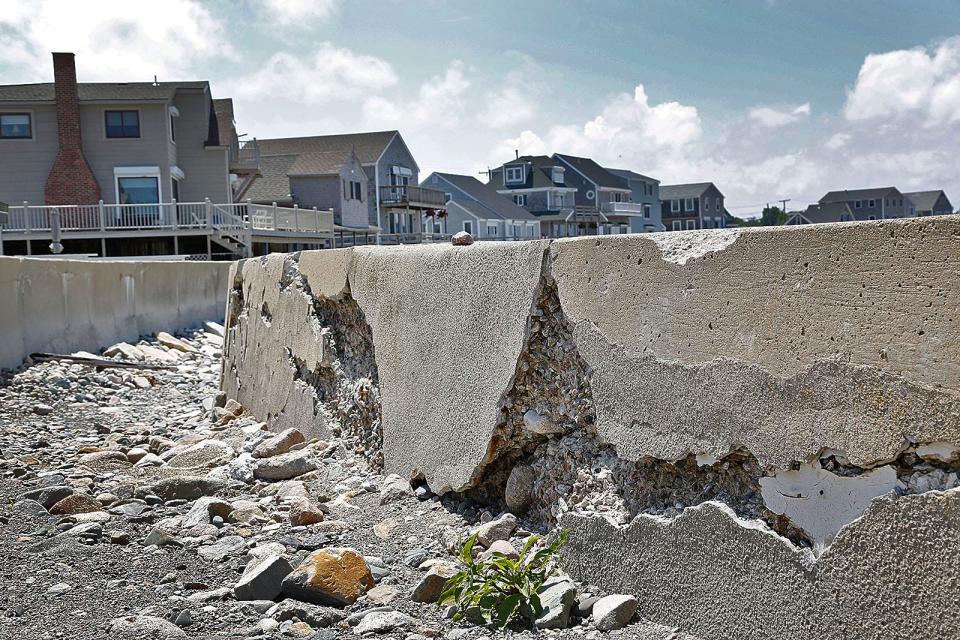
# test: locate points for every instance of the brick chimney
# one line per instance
(71, 180)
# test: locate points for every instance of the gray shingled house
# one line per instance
(538, 184)
(928, 203)
(822, 213)
(871, 204)
(369, 180)
(698, 205)
(480, 210)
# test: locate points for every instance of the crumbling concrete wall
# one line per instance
(69, 305)
(757, 431)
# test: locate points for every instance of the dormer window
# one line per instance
(513, 175)
(557, 175)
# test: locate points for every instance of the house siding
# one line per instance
(32, 159)
(206, 174)
(396, 153)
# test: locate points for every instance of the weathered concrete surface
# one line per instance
(272, 328)
(786, 340)
(448, 328)
(890, 574)
(70, 305)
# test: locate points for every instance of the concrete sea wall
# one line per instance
(70, 305)
(755, 431)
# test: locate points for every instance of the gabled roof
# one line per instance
(680, 191)
(827, 212)
(856, 194)
(631, 175)
(484, 201)
(272, 185)
(925, 200)
(99, 91)
(369, 146)
(593, 172)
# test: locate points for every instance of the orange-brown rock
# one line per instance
(74, 504)
(333, 576)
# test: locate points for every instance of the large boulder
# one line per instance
(332, 576)
(614, 612)
(284, 466)
(263, 579)
(278, 444)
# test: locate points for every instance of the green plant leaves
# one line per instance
(501, 589)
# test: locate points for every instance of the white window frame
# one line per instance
(677, 225)
(858, 204)
(468, 226)
(509, 171)
(675, 206)
(646, 211)
(688, 204)
(136, 172)
(520, 199)
(492, 230)
(556, 175)
(691, 224)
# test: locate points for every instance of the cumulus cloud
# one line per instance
(440, 103)
(920, 82)
(111, 41)
(779, 117)
(298, 13)
(329, 73)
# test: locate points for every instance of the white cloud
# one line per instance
(509, 106)
(838, 141)
(330, 73)
(439, 103)
(111, 41)
(773, 117)
(298, 13)
(916, 82)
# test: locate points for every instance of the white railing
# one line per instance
(291, 219)
(622, 207)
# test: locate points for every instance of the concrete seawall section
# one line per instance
(755, 431)
(69, 305)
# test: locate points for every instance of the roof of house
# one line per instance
(272, 185)
(318, 163)
(631, 175)
(679, 191)
(856, 194)
(99, 91)
(368, 146)
(541, 175)
(827, 212)
(486, 203)
(594, 172)
(925, 200)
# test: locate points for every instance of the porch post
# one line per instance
(173, 218)
(102, 212)
(26, 220)
(296, 218)
(274, 216)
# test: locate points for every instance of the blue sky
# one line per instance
(769, 99)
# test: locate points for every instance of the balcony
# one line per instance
(413, 197)
(623, 208)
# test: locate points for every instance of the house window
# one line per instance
(557, 175)
(719, 205)
(872, 218)
(468, 226)
(491, 230)
(590, 195)
(15, 126)
(646, 211)
(447, 197)
(706, 204)
(123, 124)
(138, 190)
(520, 199)
(677, 225)
(675, 206)
(647, 189)
(618, 197)
(514, 174)
(872, 203)
(858, 204)
(688, 204)
(356, 190)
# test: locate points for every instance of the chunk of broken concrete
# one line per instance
(284, 466)
(263, 580)
(279, 443)
(614, 611)
(171, 342)
(331, 576)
